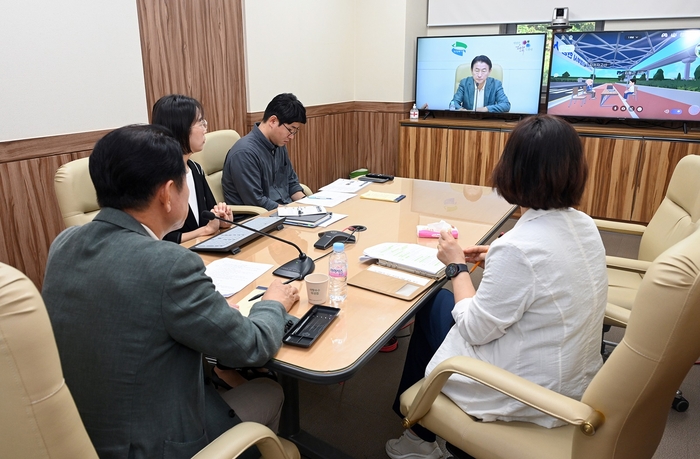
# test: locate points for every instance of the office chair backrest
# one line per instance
(75, 193)
(635, 387)
(212, 158)
(678, 214)
(465, 70)
(38, 417)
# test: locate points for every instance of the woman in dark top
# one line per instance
(184, 116)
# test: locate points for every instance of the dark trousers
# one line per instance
(432, 323)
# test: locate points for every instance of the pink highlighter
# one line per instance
(432, 233)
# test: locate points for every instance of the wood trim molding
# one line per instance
(316, 111)
(19, 150)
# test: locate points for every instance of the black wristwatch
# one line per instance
(453, 269)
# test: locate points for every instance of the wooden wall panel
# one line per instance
(659, 159)
(339, 138)
(196, 48)
(472, 155)
(612, 175)
(423, 153)
(31, 218)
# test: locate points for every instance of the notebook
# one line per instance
(309, 221)
(392, 282)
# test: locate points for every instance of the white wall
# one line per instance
(69, 66)
(306, 48)
(337, 51)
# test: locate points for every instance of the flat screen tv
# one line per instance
(644, 75)
(516, 66)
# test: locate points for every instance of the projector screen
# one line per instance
(463, 12)
(69, 66)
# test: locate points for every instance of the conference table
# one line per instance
(367, 319)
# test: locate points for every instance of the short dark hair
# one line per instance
(481, 58)
(287, 108)
(177, 113)
(129, 164)
(542, 166)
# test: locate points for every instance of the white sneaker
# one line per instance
(410, 446)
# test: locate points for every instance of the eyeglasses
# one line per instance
(293, 131)
(203, 123)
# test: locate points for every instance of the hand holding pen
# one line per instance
(477, 255)
(274, 283)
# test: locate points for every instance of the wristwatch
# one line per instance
(453, 269)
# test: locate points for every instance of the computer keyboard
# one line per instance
(236, 237)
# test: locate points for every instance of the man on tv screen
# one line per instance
(480, 92)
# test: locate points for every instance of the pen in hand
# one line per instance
(259, 295)
(480, 263)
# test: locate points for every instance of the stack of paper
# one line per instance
(380, 196)
(345, 186)
(412, 258)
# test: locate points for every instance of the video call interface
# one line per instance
(517, 61)
(651, 75)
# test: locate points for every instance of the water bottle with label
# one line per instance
(338, 273)
(413, 114)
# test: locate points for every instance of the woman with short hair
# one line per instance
(539, 309)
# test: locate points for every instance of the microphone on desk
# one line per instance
(294, 269)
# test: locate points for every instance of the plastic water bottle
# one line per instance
(338, 273)
(413, 114)
(452, 106)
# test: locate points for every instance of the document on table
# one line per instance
(345, 186)
(326, 198)
(413, 258)
(230, 276)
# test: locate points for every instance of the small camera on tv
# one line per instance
(560, 17)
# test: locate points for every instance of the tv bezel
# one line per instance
(670, 123)
(473, 114)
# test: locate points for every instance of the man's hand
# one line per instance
(284, 293)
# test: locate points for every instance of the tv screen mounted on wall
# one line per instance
(516, 69)
(643, 75)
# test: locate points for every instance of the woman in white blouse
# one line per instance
(539, 309)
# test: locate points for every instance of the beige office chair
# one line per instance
(613, 420)
(75, 193)
(38, 417)
(677, 217)
(465, 70)
(212, 158)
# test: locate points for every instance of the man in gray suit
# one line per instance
(133, 314)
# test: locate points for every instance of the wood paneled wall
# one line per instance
(196, 48)
(30, 219)
(339, 138)
(629, 168)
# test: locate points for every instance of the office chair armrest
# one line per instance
(616, 316)
(237, 439)
(620, 227)
(627, 264)
(241, 209)
(561, 407)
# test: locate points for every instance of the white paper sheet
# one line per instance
(345, 186)
(326, 198)
(230, 276)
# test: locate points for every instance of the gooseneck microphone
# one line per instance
(294, 269)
